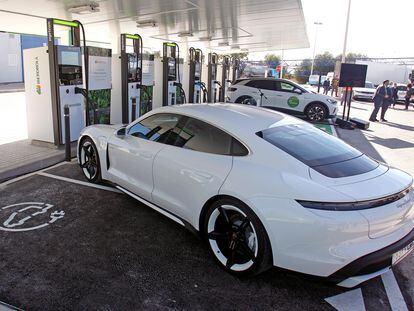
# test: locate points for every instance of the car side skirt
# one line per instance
(154, 207)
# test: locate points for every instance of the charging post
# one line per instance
(225, 81)
(212, 83)
(52, 75)
(195, 86)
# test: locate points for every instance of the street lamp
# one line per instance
(346, 32)
(314, 45)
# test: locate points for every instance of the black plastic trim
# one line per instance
(354, 206)
(372, 262)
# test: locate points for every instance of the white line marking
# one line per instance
(30, 174)
(154, 207)
(79, 182)
(395, 297)
(351, 300)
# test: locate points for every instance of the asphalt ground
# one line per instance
(110, 252)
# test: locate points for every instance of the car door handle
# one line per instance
(278, 95)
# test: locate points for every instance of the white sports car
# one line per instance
(263, 188)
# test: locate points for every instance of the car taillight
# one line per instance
(231, 89)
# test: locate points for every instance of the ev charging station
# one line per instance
(197, 90)
(52, 76)
(133, 81)
(212, 82)
(172, 90)
(225, 75)
(235, 68)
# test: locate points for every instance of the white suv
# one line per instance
(282, 95)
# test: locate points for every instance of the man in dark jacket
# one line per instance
(326, 86)
(381, 94)
(408, 95)
(387, 101)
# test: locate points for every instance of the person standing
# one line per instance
(380, 95)
(394, 95)
(387, 101)
(334, 84)
(326, 86)
(408, 95)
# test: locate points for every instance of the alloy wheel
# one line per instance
(316, 113)
(89, 160)
(232, 238)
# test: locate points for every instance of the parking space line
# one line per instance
(30, 174)
(351, 300)
(79, 182)
(393, 291)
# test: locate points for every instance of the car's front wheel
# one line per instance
(89, 160)
(316, 112)
(237, 238)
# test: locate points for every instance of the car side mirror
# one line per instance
(297, 91)
(121, 132)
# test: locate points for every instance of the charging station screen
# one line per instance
(197, 72)
(171, 68)
(70, 58)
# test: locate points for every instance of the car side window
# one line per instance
(266, 84)
(200, 136)
(286, 87)
(158, 127)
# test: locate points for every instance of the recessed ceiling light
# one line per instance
(89, 8)
(205, 38)
(185, 34)
(146, 23)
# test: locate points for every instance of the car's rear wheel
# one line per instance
(89, 160)
(247, 100)
(316, 112)
(237, 238)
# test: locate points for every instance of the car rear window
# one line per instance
(324, 153)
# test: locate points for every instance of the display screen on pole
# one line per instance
(70, 58)
(353, 75)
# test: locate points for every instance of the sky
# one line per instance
(377, 28)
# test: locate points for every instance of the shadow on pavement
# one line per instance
(358, 140)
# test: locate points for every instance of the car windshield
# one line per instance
(319, 150)
(369, 85)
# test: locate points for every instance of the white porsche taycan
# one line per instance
(263, 188)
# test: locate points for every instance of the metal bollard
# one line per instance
(68, 156)
(319, 83)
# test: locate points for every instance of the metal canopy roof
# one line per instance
(254, 25)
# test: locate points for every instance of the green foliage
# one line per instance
(272, 60)
(241, 55)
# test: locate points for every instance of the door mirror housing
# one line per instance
(297, 91)
(120, 133)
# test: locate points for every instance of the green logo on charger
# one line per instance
(293, 101)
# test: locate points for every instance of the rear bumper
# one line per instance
(371, 264)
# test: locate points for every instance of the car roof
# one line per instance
(238, 119)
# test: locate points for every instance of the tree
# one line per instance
(241, 55)
(303, 70)
(352, 57)
(272, 60)
(324, 63)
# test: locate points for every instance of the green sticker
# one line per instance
(293, 101)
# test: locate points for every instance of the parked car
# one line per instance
(262, 188)
(402, 91)
(314, 80)
(282, 95)
(366, 92)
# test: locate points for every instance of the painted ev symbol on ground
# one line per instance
(28, 216)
